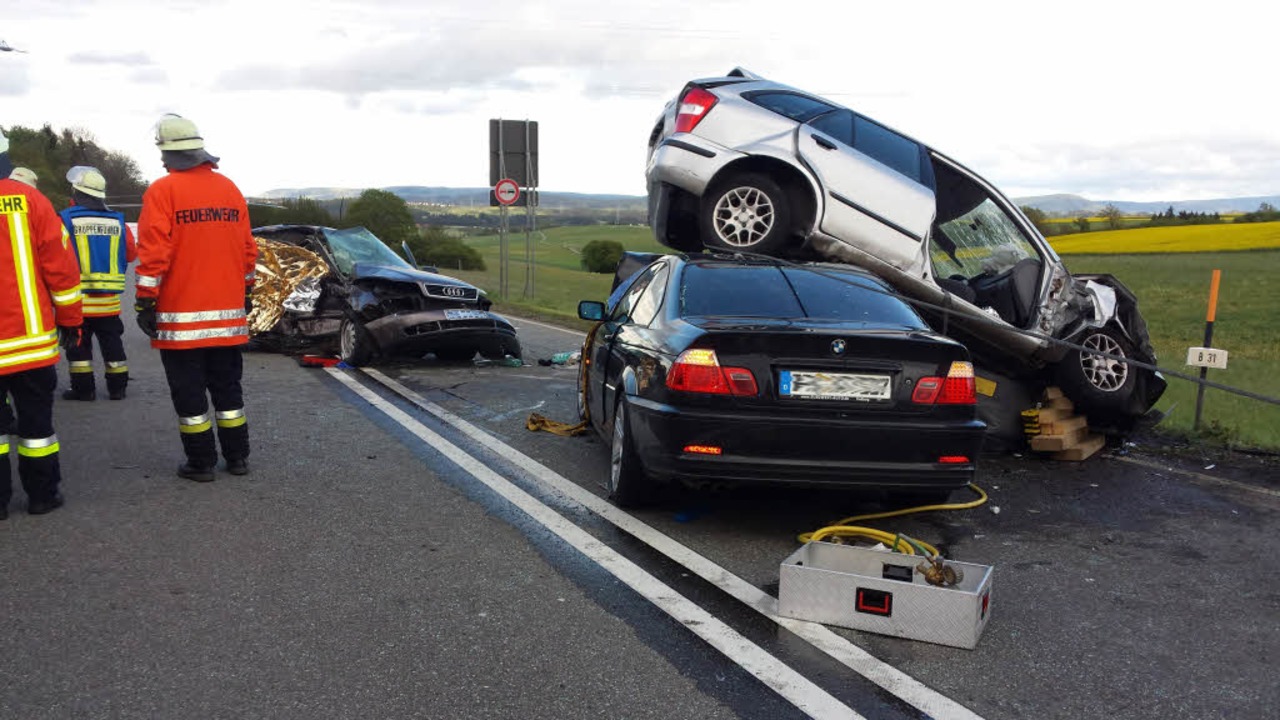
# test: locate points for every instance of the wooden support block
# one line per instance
(1090, 445)
(1059, 442)
(1053, 393)
(1066, 425)
(1052, 415)
(1062, 403)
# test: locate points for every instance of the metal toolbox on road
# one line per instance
(883, 592)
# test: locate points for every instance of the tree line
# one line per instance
(51, 153)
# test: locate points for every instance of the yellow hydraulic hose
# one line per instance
(896, 541)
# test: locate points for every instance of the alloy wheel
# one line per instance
(615, 452)
(743, 216)
(1103, 373)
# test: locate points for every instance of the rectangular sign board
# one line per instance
(1207, 357)
(513, 151)
(527, 198)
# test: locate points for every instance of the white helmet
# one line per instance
(88, 180)
(24, 175)
(174, 132)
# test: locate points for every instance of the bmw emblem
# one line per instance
(837, 347)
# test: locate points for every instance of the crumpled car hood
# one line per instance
(363, 271)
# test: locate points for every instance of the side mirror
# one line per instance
(591, 310)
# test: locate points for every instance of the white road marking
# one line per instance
(902, 685)
(791, 685)
(509, 413)
(575, 333)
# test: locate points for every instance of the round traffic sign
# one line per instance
(507, 191)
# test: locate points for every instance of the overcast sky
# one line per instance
(1113, 100)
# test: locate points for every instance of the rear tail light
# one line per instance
(694, 105)
(953, 459)
(703, 449)
(699, 371)
(957, 388)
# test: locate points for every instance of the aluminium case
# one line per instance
(882, 592)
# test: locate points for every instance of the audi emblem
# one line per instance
(453, 291)
(838, 346)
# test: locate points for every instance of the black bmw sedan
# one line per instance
(723, 368)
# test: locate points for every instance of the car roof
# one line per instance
(290, 226)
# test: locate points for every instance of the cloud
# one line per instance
(14, 82)
(1173, 168)
(132, 59)
(149, 76)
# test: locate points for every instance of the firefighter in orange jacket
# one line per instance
(104, 247)
(196, 258)
(39, 311)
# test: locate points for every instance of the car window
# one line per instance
(797, 107)
(983, 241)
(903, 155)
(622, 311)
(646, 307)
(835, 295)
(838, 124)
(887, 146)
(774, 292)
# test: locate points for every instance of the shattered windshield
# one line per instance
(358, 245)
(985, 239)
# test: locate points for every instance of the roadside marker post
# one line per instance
(1204, 357)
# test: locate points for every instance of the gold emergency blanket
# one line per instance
(281, 268)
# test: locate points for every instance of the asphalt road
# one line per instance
(361, 571)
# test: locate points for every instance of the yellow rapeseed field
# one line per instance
(1176, 239)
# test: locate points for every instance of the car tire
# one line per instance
(582, 393)
(355, 347)
(455, 355)
(502, 350)
(628, 485)
(1100, 387)
(746, 213)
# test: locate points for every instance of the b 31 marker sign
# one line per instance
(1207, 357)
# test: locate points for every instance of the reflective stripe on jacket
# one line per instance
(39, 279)
(104, 246)
(196, 256)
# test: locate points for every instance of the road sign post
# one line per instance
(513, 175)
(1208, 342)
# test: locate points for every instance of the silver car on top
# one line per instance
(740, 163)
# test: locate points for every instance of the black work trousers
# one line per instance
(195, 377)
(29, 395)
(109, 330)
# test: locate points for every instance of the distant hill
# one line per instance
(1072, 205)
(1061, 204)
(468, 196)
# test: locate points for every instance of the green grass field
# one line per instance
(1173, 294)
(1172, 290)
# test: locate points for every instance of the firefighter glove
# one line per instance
(146, 308)
(248, 300)
(69, 337)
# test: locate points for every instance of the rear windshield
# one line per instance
(790, 293)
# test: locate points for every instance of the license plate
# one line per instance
(832, 386)
(465, 315)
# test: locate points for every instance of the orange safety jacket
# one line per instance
(196, 256)
(39, 279)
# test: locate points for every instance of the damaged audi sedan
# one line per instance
(345, 290)
(740, 163)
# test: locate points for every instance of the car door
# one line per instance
(604, 371)
(877, 186)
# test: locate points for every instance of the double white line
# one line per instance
(788, 683)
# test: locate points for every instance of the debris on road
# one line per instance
(567, 359)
